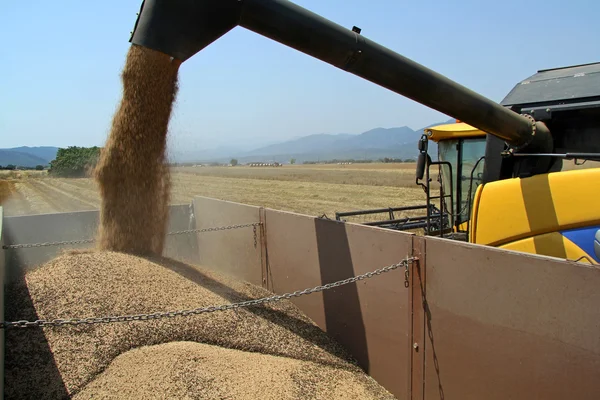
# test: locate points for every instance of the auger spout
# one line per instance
(181, 28)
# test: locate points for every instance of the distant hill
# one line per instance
(47, 153)
(190, 156)
(379, 138)
(305, 144)
(28, 156)
(8, 157)
(397, 142)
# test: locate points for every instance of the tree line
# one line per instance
(12, 167)
(74, 161)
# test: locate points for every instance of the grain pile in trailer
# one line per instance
(269, 351)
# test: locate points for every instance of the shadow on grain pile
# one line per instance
(271, 351)
(27, 351)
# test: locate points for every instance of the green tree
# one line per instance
(39, 167)
(233, 162)
(293, 161)
(74, 161)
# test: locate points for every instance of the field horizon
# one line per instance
(314, 189)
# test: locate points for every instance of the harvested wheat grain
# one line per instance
(132, 173)
(97, 283)
(201, 371)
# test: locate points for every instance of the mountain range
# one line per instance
(397, 142)
(27, 156)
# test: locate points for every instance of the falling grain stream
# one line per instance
(132, 174)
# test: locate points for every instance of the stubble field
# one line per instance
(307, 189)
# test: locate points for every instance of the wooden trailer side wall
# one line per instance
(371, 318)
(476, 322)
(60, 227)
(232, 251)
(504, 325)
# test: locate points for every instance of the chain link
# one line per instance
(204, 310)
(45, 244)
(214, 229)
(82, 241)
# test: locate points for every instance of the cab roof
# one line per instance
(452, 131)
(570, 84)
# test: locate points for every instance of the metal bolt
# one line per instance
(416, 346)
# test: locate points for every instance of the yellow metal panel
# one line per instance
(452, 131)
(513, 209)
(550, 244)
(474, 213)
(462, 227)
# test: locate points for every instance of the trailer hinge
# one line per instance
(406, 275)
(407, 272)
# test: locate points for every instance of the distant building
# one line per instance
(262, 164)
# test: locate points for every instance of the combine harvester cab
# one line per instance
(458, 164)
(461, 150)
(449, 319)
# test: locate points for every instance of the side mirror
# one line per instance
(422, 160)
(421, 164)
(423, 144)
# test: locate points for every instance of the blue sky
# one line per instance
(61, 60)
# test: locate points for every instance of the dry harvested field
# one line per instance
(307, 189)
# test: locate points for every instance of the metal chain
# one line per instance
(204, 310)
(214, 229)
(29, 245)
(71, 242)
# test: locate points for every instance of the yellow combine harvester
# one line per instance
(489, 196)
(536, 215)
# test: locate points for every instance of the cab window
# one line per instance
(463, 155)
(448, 152)
(472, 151)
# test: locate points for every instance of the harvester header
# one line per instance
(181, 28)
